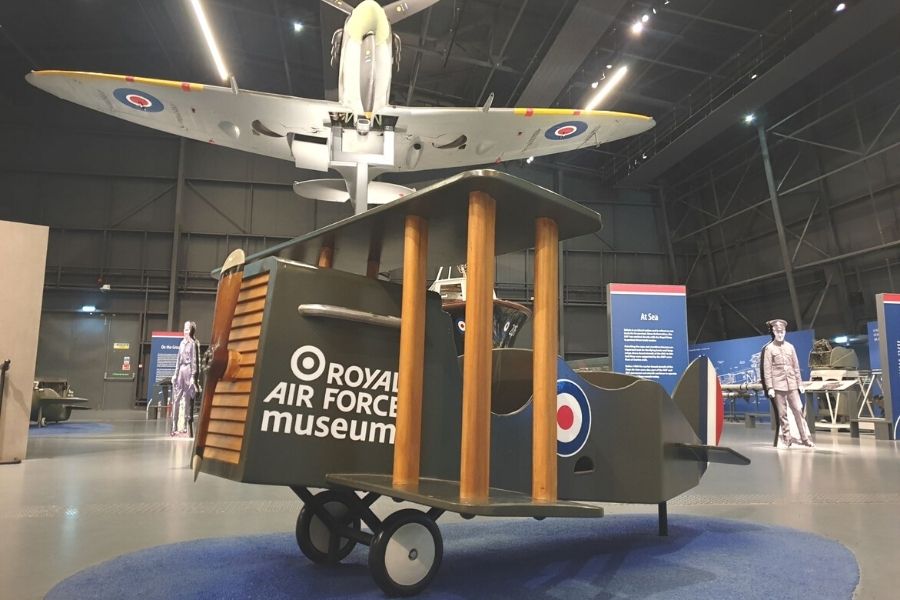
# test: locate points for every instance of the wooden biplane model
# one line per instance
(323, 376)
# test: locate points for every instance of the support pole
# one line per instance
(407, 447)
(779, 225)
(663, 518)
(475, 456)
(176, 237)
(546, 311)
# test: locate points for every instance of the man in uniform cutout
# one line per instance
(784, 383)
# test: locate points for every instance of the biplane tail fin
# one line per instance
(699, 396)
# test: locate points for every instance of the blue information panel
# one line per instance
(648, 331)
(888, 306)
(163, 357)
(737, 361)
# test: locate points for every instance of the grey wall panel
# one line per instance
(73, 346)
(586, 331)
(279, 211)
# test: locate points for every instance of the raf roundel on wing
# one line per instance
(138, 100)
(566, 130)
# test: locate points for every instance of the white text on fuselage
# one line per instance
(360, 402)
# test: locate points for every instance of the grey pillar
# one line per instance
(561, 327)
(779, 225)
(176, 236)
(673, 269)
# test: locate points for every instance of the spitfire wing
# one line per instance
(433, 138)
(250, 121)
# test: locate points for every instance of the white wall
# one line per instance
(23, 249)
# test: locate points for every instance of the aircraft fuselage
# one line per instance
(366, 60)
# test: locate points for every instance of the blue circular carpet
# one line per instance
(69, 428)
(613, 557)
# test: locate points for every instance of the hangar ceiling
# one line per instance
(525, 52)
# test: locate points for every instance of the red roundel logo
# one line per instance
(573, 418)
(138, 100)
(564, 131)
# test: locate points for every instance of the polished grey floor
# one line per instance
(78, 501)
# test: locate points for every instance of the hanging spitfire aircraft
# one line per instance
(361, 135)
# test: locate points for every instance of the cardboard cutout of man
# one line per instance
(186, 381)
(784, 383)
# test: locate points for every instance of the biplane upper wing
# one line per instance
(433, 138)
(250, 121)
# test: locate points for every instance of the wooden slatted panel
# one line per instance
(229, 456)
(230, 402)
(253, 306)
(224, 442)
(244, 346)
(233, 387)
(252, 293)
(248, 319)
(245, 333)
(227, 427)
(228, 414)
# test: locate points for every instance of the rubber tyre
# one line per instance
(313, 536)
(406, 554)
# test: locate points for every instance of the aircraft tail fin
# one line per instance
(699, 396)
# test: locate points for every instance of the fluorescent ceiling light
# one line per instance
(210, 40)
(88, 308)
(637, 28)
(608, 87)
(841, 339)
(754, 76)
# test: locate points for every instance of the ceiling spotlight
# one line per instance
(609, 66)
(644, 155)
(88, 308)
(840, 7)
(594, 84)
(210, 40)
(529, 160)
(754, 76)
(749, 118)
(637, 28)
(608, 87)
(654, 11)
(645, 18)
(298, 26)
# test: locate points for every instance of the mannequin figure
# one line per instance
(784, 384)
(186, 382)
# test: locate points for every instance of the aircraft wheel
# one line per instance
(406, 554)
(317, 542)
